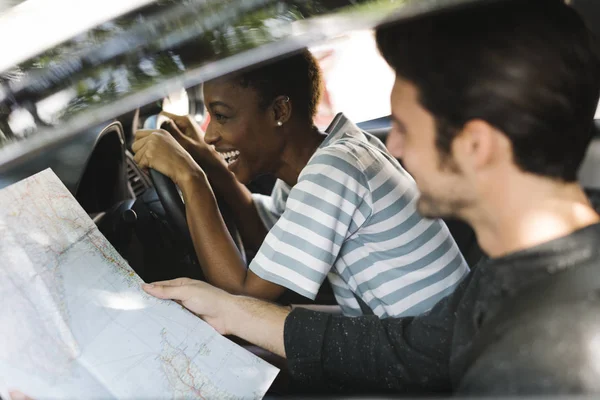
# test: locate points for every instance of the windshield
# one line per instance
(7, 4)
(153, 51)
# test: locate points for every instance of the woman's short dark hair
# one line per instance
(529, 68)
(297, 76)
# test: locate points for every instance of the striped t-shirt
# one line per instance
(352, 217)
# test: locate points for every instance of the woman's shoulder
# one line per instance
(357, 147)
(341, 152)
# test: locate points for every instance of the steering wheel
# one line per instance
(172, 202)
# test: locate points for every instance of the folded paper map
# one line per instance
(74, 322)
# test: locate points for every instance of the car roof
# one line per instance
(147, 49)
(68, 18)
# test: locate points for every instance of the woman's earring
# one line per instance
(279, 123)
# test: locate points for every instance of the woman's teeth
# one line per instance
(230, 156)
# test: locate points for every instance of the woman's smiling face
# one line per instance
(245, 133)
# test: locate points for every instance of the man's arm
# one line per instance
(366, 354)
(325, 351)
(253, 320)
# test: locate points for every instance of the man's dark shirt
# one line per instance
(554, 349)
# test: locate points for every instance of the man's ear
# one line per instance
(477, 146)
(282, 110)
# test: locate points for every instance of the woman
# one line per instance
(342, 207)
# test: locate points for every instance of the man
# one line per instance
(492, 106)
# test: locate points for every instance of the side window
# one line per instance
(357, 80)
(177, 103)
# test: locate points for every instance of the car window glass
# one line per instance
(357, 80)
(177, 103)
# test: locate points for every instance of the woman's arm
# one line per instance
(222, 266)
(236, 195)
(216, 251)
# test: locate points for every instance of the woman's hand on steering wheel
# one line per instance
(159, 150)
(190, 136)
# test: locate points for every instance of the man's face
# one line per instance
(444, 188)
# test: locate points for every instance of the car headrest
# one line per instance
(589, 173)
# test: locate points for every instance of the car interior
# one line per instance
(143, 217)
(128, 207)
(128, 204)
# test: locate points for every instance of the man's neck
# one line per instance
(528, 211)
